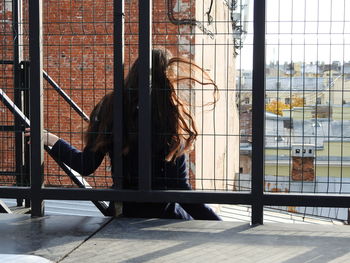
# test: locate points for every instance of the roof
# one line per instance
(305, 132)
(296, 83)
(289, 83)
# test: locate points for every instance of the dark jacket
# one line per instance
(165, 175)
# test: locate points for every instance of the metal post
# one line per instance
(258, 112)
(118, 43)
(36, 102)
(145, 87)
(17, 57)
(25, 82)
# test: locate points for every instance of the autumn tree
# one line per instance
(277, 106)
(297, 102)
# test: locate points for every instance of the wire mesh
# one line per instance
(78, 56)
(78, 60)
(308, 61)
(7, 154)
(307, 88)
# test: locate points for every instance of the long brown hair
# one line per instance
(171, 118)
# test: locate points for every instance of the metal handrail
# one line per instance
(73, 175)
(65, 96)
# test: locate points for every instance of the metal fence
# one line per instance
(87, 49)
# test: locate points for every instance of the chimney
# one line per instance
(303, 157)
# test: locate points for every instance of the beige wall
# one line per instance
(341, 148)
(216, 156)
(340, 91)
(341, 112)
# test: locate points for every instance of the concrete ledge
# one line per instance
(51, 237)
(151, 240)
(88, 239)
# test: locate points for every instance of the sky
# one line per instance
(302, 30)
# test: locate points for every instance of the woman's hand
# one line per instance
(49, 138)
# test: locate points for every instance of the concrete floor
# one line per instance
(88, 239)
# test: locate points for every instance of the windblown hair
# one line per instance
(173, 126)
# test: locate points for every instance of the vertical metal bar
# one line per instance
(145, 87)
(25, 80)
(258, 112)
(36, 102)
(118, 44)
(16, 24)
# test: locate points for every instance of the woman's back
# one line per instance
(173, 134)
(165, 175)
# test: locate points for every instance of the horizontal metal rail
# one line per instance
(185, 196)
(217, 197)
(6, 62)
(7, 128)
(8, 173)
(15, 192)
(153, 196)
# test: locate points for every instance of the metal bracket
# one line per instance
(4, 208)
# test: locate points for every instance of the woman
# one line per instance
(173, 134)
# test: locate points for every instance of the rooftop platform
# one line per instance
(96, 239)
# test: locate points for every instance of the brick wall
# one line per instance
(7, 158)
(303, 169)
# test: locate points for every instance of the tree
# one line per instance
(276, 107)
(297, 102)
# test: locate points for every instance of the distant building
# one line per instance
(317, 83)
(308, 147)
(304, 154)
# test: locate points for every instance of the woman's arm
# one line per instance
(49, 138)
(84, 162)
